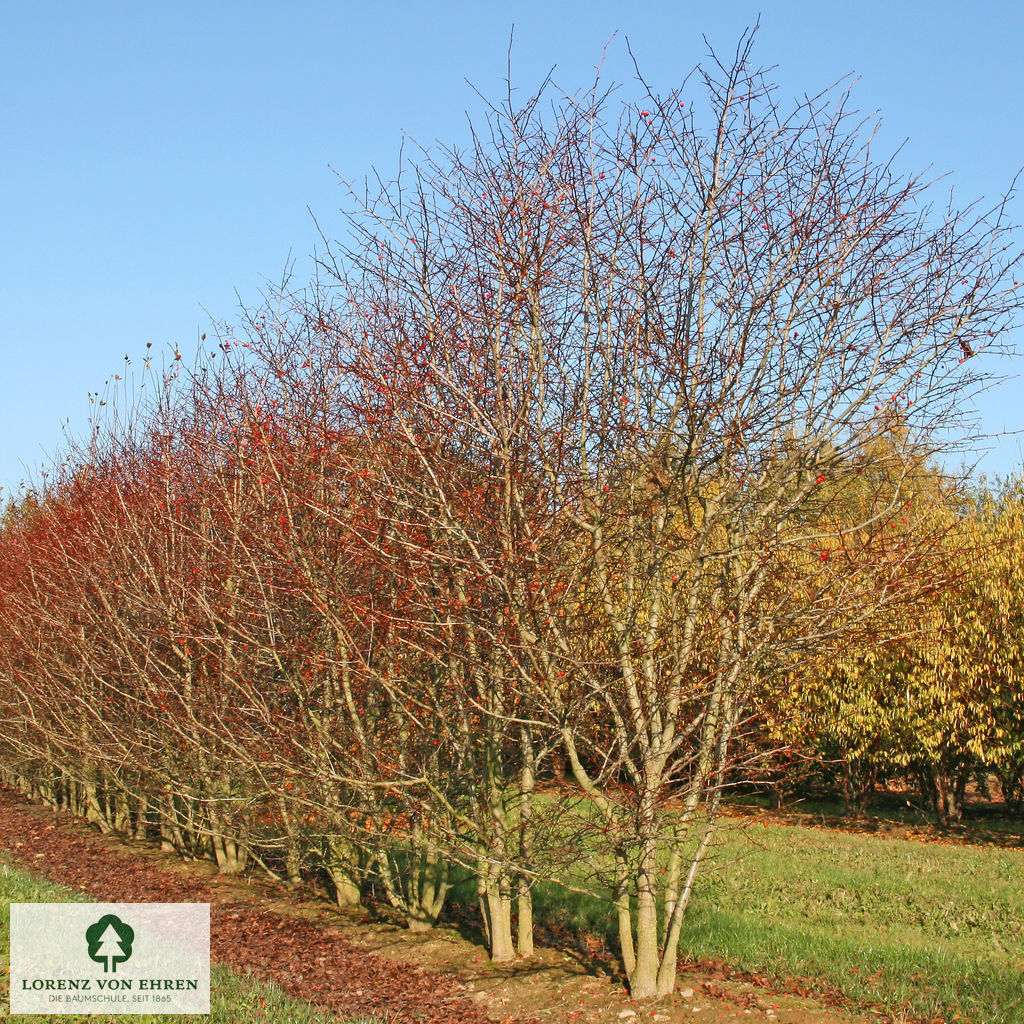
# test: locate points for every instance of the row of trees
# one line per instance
(585, 443)
(942, 705)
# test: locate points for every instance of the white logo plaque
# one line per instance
(110, 958)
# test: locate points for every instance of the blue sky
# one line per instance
(157, 160)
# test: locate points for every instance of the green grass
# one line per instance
(935, 928)
(233, 999)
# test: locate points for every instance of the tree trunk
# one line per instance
(945, 790)
(643, 980)
(1011, 784)
(93, 811)
(231, 856)
(342, 866)
(624, 913)
(499, 913)
(347, 893)
(171, 835)
(524, 917)
(858, 784)
(524, 893)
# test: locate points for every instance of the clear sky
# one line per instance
(157, 160)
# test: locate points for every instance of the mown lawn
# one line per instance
(233, 999)
(937, 928)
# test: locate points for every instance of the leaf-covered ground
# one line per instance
(306, 960)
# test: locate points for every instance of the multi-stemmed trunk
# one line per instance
(415, 877)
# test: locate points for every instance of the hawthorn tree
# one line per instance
(671, 334)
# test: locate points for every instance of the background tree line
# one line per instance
(940, 707)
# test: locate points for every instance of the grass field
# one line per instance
(233, 999)
(936, 928)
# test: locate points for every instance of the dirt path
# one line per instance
(362, 966)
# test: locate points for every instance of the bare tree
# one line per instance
(664, 332)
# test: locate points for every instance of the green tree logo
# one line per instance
(110, 941)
